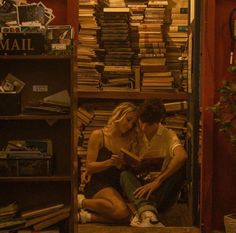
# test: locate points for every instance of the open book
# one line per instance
(142, 164)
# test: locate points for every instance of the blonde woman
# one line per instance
(102, 200)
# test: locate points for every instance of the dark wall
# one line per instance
(219, 177)
(224, 182)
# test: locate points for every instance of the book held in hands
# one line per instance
(142, 163)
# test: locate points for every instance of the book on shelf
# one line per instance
(36, 220)
(41, 211)
(176, 106)
(116, 9)
(61, 98)
(8, 210)
(157, 61)
(86, 112)
(51, 221)
(12, 223)
(82, 118)
(157, 74)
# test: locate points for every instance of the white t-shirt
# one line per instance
(162, 144)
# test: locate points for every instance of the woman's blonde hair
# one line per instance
(117, 115)
(120, 112)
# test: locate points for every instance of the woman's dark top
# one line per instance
(106, 178)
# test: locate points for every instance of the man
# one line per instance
(157, 141)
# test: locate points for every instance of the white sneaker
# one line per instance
(80, 198)
(145, 222)
(83, 216)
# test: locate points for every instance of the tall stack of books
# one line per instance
(137, 9)
(177, 37)
(88, 61)
(155, 75)
(115, 39)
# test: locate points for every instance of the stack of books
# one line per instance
(101, 114)
(88, 61)
(177, 42)
(8, 220)
(176, 118)
(42, 218)
(115, 39)
(155, 75)
(137, 9)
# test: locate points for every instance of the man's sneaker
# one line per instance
(80, 198)
(145, 222)
(83, 216)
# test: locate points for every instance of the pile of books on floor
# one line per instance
(33, 220)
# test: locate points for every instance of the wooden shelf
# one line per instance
(35, 57)
(131, 95)
(35, 178)
(35, 117)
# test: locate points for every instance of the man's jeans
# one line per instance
(160, 199)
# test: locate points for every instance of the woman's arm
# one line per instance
(94, 145)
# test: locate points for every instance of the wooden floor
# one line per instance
(177, 220)
(96, 228)
(178, 216)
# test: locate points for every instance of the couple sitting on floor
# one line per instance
(109, 178)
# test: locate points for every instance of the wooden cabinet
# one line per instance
(56, 73)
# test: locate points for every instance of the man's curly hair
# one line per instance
(152, 111)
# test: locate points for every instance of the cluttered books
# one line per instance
(41, 219)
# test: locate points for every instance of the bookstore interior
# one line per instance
(64, 66)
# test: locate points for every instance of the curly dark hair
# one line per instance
(152, 111)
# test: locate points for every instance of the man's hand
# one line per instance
(146, 190)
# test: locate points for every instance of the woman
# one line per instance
(102, 200)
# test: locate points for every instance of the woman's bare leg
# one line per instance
(107, 206)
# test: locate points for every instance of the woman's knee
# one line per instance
(121, 212)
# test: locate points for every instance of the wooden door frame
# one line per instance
(207, 99)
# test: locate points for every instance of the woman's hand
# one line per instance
(117, 161)
(146, 190)
(85, 178)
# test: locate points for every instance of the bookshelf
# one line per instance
(57, 73)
